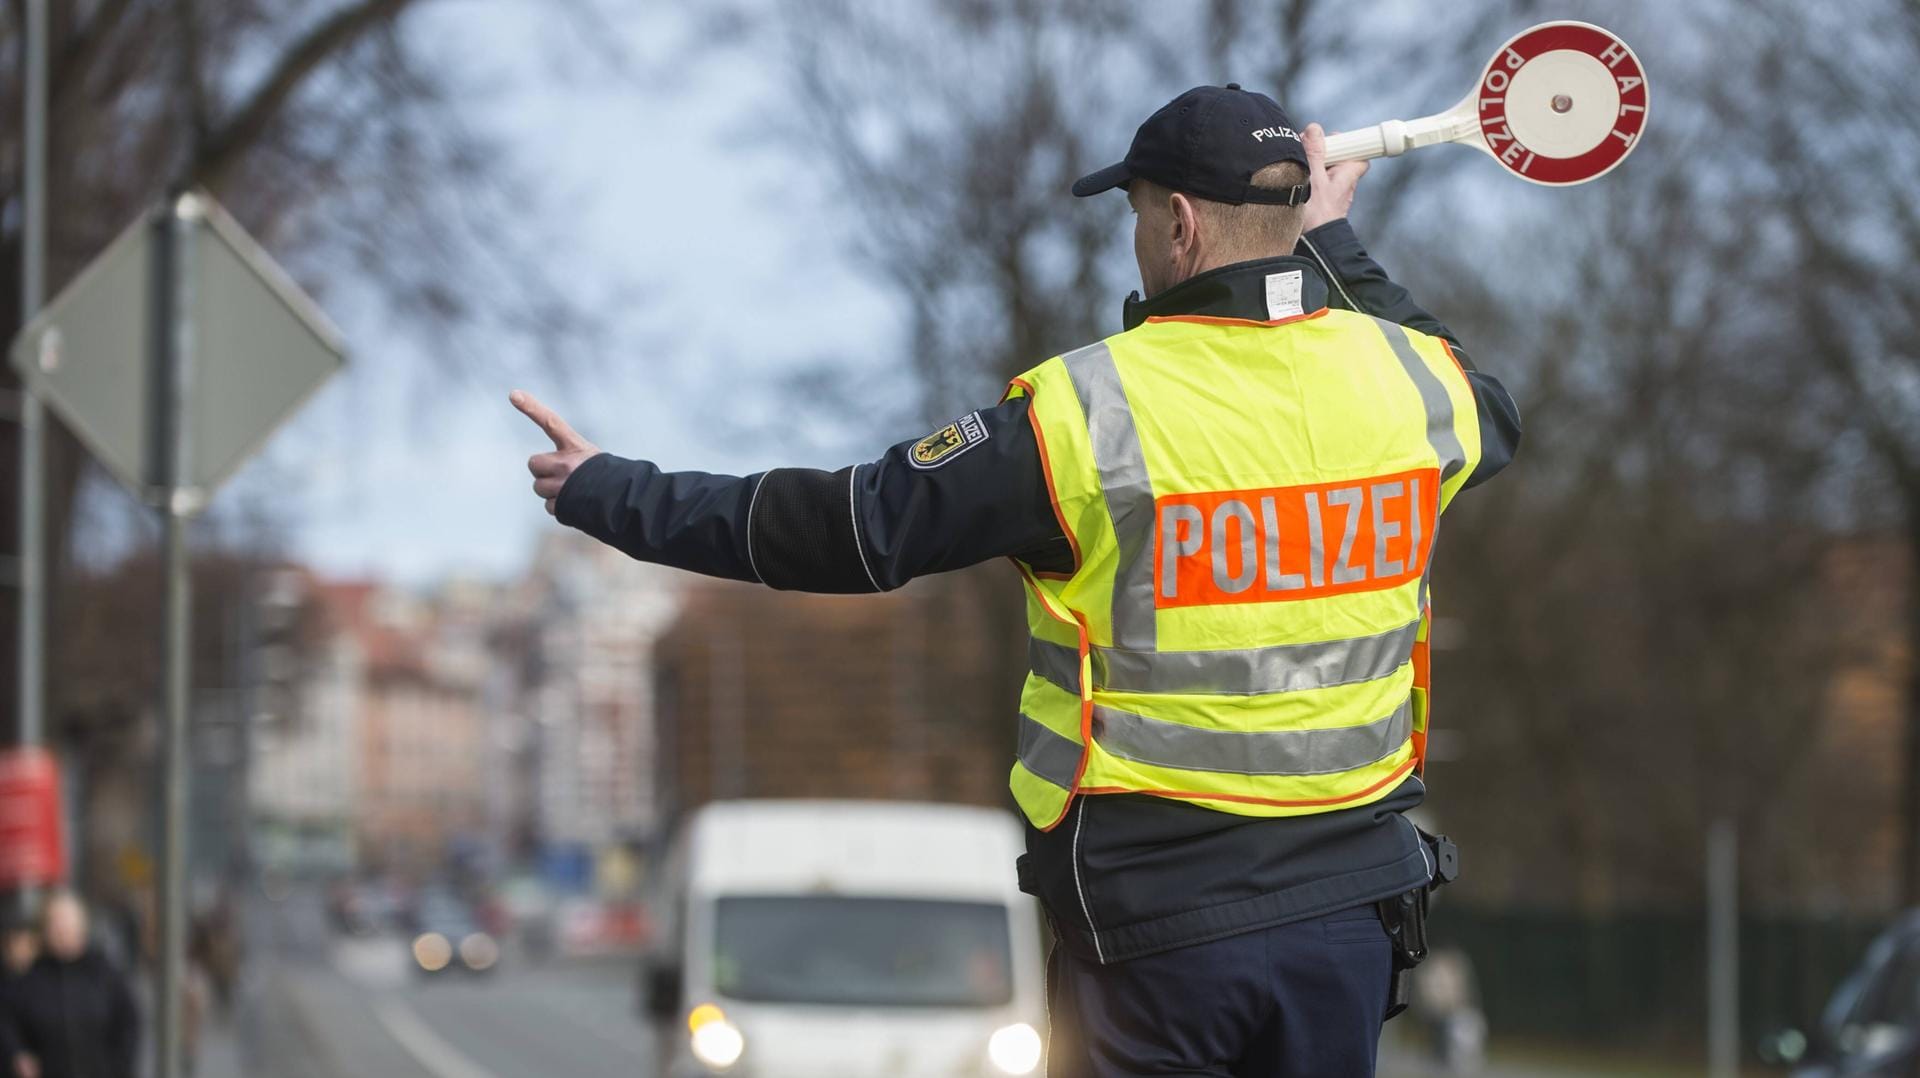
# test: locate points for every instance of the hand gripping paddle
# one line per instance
(1559, 104)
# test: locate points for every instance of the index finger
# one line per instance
(557, 429)
(1314, 140)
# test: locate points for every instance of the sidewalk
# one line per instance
(220, 1054)
(1528, 1061)
(266, 1036)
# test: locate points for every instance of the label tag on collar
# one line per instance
(1283, 295)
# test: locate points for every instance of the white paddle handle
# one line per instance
(1395, 137)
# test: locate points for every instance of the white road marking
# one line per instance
(427, 1048)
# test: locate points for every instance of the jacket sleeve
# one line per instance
(1358, 283)
(869, 527)
(688, 520)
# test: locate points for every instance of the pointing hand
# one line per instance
(550, 470)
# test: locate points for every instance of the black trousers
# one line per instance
(1302, 1000)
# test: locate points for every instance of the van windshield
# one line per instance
(868, 952)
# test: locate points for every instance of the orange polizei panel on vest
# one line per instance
(1282, 543)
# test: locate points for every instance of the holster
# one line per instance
(1405, 919)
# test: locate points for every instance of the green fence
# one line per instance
(1639, 979)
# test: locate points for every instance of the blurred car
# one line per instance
(1871, 1026)
(576, 922)
(846, 939)
(363, 909)
(586, 926)
(450, 938)
(529, 909)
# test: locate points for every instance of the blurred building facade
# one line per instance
(474, 725)
(421, 741)
(1846, 848)
(304, 773)
(907, 695)
(575, 703)
(379, 759)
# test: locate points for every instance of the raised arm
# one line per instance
(1358, 283)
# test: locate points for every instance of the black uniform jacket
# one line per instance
(1124, 875)
(76, 1017)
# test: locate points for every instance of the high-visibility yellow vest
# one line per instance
(1252, 508)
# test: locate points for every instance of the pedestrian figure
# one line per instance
(71, 1013)
(19, 946)
(1448, 1005)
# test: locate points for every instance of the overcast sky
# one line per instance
(664, 187)
(683, 188)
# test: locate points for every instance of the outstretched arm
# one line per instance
(972, 491)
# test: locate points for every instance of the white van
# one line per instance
(844, 939)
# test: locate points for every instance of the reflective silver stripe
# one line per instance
(1243, 672)
(1123, 477)
(1266, 752)
(1047, 754)
(1057, 663)
(1440, 433)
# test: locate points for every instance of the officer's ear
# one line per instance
(1185, 238)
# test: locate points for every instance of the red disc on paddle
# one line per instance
(1562, 103)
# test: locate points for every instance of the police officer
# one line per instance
(1224, 519)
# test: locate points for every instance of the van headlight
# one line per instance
(1015, 1049)
(716, 1042)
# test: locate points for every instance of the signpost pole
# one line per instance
(33, 490)
(174, 343)
(172, 911)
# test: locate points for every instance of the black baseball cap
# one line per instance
(1208, 142)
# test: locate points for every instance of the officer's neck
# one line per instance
(1238, 290)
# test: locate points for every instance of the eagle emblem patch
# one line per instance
(948, 442)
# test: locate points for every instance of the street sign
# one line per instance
(173, 356)
(32, 853)
(258, 348)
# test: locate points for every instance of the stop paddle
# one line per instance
(1560, 103)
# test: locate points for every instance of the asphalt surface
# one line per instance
(317, 1005)
(314, 1004)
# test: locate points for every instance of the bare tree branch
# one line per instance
(86, 43)
(338, 32)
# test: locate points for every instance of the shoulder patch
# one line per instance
(948, 442)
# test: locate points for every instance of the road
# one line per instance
(313, 1005)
